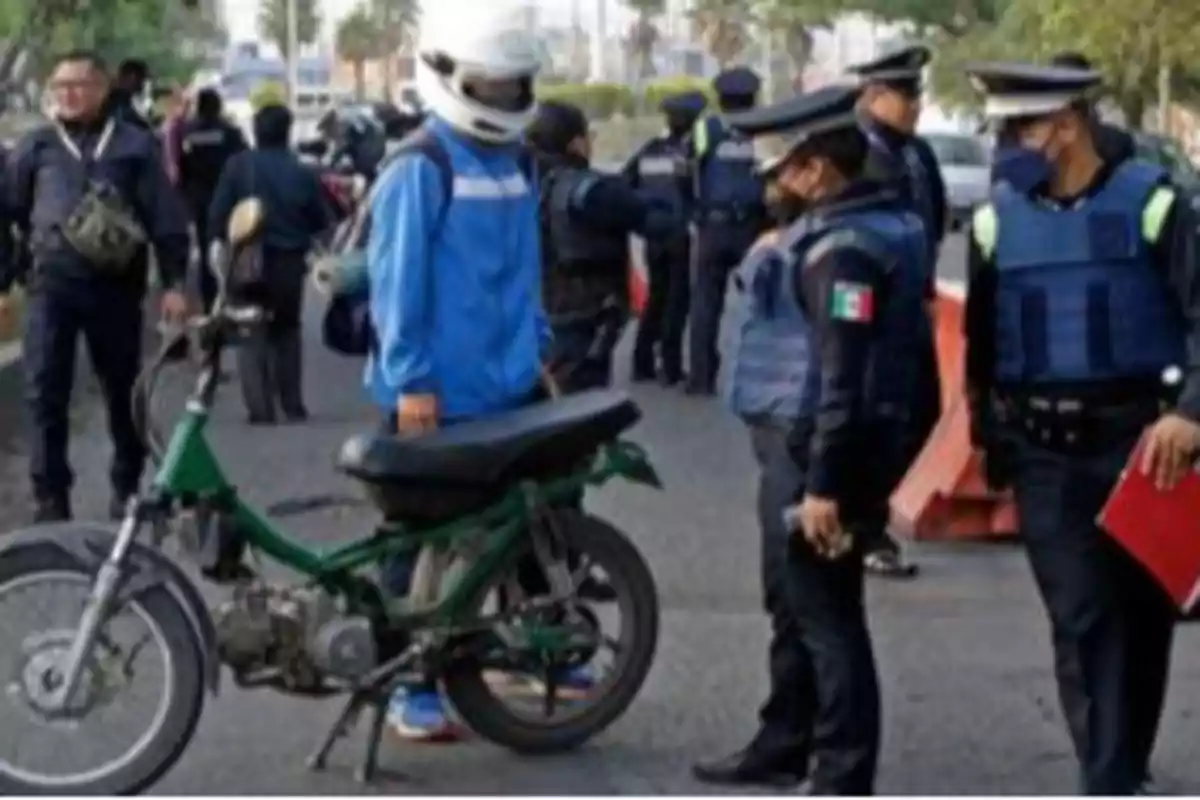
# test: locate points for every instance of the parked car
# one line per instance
(965, 162)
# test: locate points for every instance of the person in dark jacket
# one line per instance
(90, 196)
(586, 220)
(132, 76)
(660, 172)
(891, 106)
(207, 142)
(296, 213)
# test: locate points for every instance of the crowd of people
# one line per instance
(497, 276)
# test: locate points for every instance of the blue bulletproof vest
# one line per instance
(662, 170)
(728, 179)
(773, 371)
(1077, 296)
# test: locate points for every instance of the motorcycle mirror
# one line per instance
(245, 221)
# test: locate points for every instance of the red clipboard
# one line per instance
(1161, 530)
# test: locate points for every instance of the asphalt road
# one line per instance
(969, 701)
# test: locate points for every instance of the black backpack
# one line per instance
(346, 327)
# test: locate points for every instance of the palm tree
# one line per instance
(723, 26)
(643, 34)
(397, 21)
(792, 23)
(358, 41)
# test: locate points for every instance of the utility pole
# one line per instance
(600, 41)
(293, 54)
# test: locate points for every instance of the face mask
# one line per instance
(1024, 168)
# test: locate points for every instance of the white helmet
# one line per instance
(480, 46)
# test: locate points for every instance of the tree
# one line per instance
(273, 23)
(723, 26)
(936, 18)
(358, 41)
(643, 34)
(397, 21)
(792, 24)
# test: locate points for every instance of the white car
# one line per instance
(966, 165)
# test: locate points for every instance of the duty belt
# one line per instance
(730, 215)
(1074, 425)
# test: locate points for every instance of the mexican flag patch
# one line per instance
(853, 302)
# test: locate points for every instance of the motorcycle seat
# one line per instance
(499, 449)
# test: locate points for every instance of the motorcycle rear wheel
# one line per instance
(157, 749)
(476, 703)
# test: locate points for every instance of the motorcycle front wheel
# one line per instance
(98, 742)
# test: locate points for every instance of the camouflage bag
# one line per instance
(104, 230)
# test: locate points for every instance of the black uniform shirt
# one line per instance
(1175, 252)
(843, 350)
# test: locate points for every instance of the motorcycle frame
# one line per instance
(190, 469)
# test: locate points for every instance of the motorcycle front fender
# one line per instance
(89, 544)
(632, 462)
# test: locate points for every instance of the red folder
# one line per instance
(1159, 529)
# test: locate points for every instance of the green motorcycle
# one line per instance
(475, 504)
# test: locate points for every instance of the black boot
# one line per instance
(47, 510)
(748, 768)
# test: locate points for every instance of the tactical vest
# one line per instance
(583, 266)
(729, 183)
(774, 372)
(1077, 295)
(662, 168)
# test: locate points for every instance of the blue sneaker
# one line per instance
(575, 684)
(419, 715)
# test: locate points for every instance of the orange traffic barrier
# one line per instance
(943, 496)
(639, 291)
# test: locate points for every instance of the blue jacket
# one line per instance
(458, 310)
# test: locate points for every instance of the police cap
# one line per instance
(904, 65)
(737, 82)
(684, 104)
(779, 129)
(1029, 90)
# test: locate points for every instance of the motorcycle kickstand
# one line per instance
(341, 728)
(369, 767)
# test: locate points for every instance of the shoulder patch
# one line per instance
(1156, 211)
(852, 302)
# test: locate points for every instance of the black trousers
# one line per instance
(205, 282)
(1111, 626)
(716, 255)
(270, 362)
(108, 317)
(665, 315)
(824, 696)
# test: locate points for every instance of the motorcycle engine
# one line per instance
(292, 639)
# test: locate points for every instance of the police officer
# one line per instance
(296, 213)
(659, 171)
(586, 221)
(89, 193)
(822, 373)
(207, 142)
(891, 106)
(1079, 298)
(729, 215)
